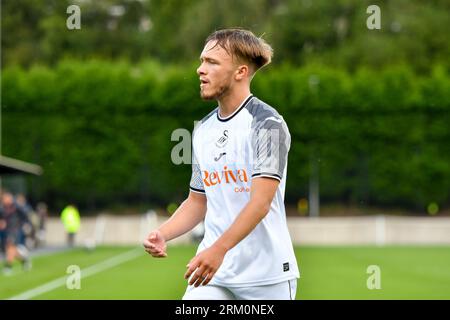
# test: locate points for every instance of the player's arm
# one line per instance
(208, 261)
(189, 214)
(261, 195)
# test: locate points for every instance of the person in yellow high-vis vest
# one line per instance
(71, 220)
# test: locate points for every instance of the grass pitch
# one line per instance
(406, 272)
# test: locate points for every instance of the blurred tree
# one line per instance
(302, 31)
(101, 130)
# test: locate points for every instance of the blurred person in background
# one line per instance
(70, 217)
(29, 228)
(14, 218)
(2, 235)
(42, 214)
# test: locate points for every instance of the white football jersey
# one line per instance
(228, 153)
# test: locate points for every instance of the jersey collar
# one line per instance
(242, 106)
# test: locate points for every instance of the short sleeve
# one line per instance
(196, 183)
(270, 143)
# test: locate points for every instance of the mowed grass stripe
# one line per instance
(49, 267)
(84, 273)
(144, 278)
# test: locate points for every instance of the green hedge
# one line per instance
(101, 130)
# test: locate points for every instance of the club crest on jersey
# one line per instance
(222, 141)
(225, 176)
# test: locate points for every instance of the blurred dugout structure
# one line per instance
(12, 174)
(12, 166)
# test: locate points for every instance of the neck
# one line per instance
(229, 103)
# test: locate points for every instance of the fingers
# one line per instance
(153, 237)
(191, 268)
(201, 278)
(201, 275)
(147, 244)
(154, 246)
(208, 278)
(198, 277)
(157, 253)
(154, 250)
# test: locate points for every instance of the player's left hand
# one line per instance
(205, 265)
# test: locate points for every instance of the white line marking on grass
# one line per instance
(96, 268)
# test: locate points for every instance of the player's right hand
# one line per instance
(155, 244)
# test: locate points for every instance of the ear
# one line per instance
(242, 72)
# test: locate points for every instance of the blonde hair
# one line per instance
(244, 45)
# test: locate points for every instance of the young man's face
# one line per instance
(216, 72)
